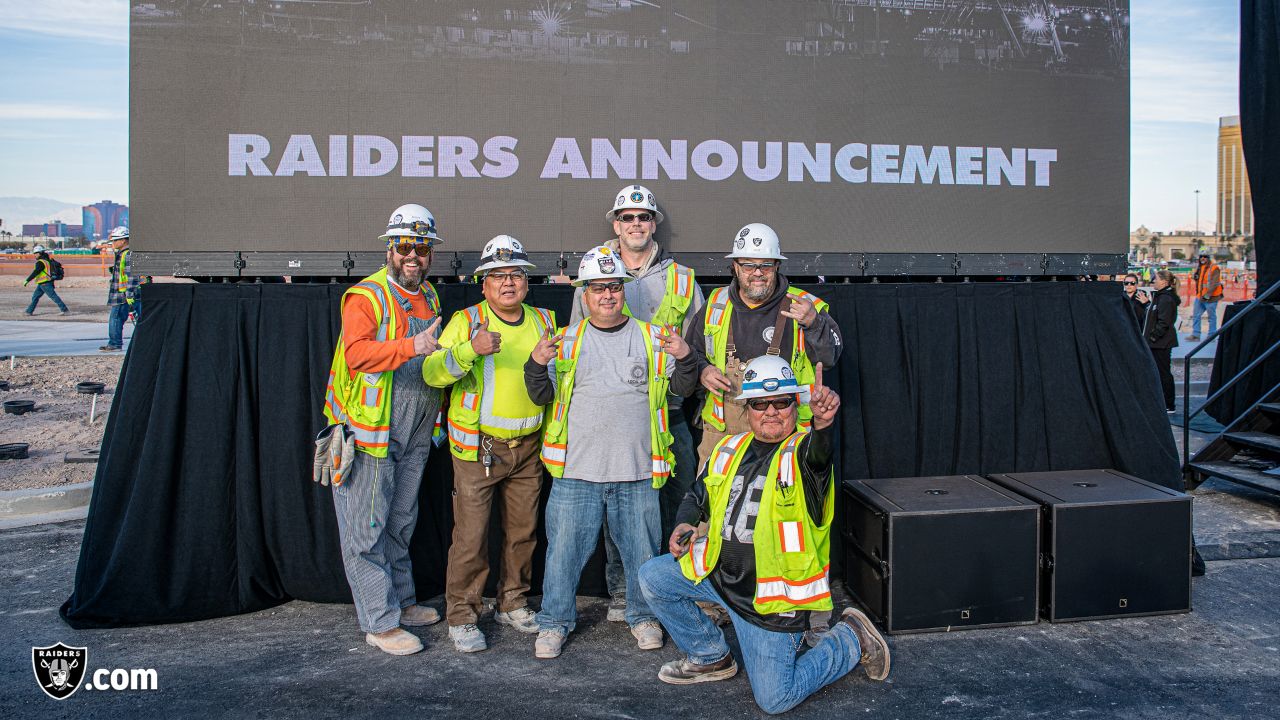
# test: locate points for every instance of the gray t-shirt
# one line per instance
(609, 413)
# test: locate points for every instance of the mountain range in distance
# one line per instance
(18, 211)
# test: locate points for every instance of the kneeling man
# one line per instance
(768, 498)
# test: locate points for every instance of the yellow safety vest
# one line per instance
(363, 400)
(677, 299)
(792, 553)
(472, 377)
(45, 274)
(122, 280)
(555, 437)
(717, 312)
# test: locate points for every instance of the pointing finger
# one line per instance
(817, 382)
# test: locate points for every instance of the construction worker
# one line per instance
(122, 292)
(662, 292)
(759, 313)
(608, 369)
(383, 417)
(493, 436)
(767, 498)
(43, 275)
(1208, 284)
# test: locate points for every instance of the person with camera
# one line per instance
(1159, 329)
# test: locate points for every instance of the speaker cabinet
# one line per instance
(1113, 545)
(941, 553)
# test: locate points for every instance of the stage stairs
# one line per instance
(1247, 451)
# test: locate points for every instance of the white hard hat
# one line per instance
(413, 222)
(120, 233)
(636, 197)
(503, 251)
(758, 241)
(600, 263)
(770, 376)
(38, 249)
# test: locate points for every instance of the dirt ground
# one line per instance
(60, 421)
(86, 299)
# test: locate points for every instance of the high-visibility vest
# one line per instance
(45, 274)
(555, 448)
(122, 280)
(716, 318)
(677, 299)
(363, 400)
(1203, 276)
(792, 553)
(473, 383)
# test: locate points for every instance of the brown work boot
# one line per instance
(875, 651)
(418, 616)
(395, 641)
(683, 672)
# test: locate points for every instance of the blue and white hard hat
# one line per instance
(771, 376)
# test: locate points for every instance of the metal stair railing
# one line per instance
(1186, 377)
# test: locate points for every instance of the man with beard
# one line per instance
(383, 417)
(494, 440)
(662, 292)
(759, 313)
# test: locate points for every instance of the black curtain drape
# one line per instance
(1260, 127)
(203, 504)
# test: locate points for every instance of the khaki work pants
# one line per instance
(514, 484)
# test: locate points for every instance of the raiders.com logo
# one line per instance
(61, 670)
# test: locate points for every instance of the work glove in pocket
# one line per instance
(335, 451)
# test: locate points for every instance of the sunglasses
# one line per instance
(503, 277)
(601, 288)
(642, 217)
(1130, 282)
(764, 267)
(778, 403)
(404, 249)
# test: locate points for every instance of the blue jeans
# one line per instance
(780, 677)
(575, 513)
(669, 498)
(45, 288)
(115, 325)
(1201, 307)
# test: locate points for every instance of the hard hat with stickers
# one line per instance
(634, 197)
(501, 252)
(600, 263)
(756, 241)
(411, 223)
(769, 376)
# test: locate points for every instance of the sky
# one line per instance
(64, 79)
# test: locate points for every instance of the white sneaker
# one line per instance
(467, 638)
(522, 619)
(548, 645)
(648, 635)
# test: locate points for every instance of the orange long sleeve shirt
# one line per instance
(360, 331)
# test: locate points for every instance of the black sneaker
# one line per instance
(875, 651)
(683, 672)
(109, 348)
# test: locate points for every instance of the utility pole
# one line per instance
(1197, 213)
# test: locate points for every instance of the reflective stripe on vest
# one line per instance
(795, 592)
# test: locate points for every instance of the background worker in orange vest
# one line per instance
(384, 416)
(1208, 284)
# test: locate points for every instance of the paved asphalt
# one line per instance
(308, 660)
(44, 338)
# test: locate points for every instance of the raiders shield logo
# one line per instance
(59, 669)
(757, 241)
(607, 265)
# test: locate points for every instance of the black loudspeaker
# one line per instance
(941, 553)
(1113, 545)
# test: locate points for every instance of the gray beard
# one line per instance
(402, 281)
(750, 293)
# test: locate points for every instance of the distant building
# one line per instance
(100, 218)
(53, 228)
(1235, 202)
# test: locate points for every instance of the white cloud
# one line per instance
(99, 20)
(39, 111)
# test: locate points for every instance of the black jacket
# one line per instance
(1139, 310)
(1159, 326)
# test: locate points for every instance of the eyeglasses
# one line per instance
(628, 217)
(515, 276)
(1130, 282)
(601, 288)
(778, 403)
(763, 267)
(421, 249)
